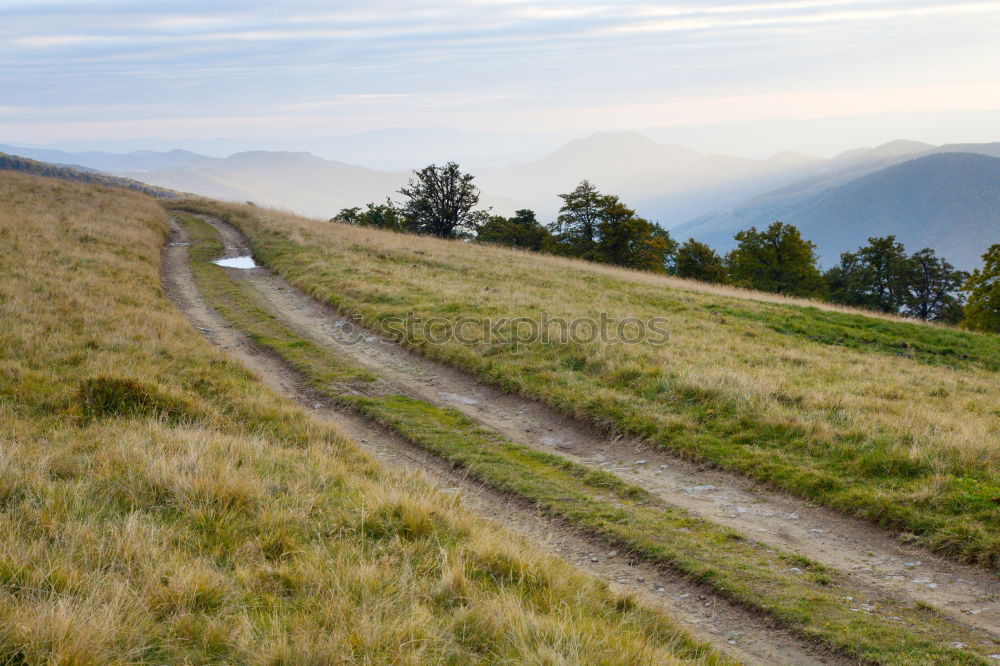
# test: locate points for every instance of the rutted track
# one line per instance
(868, 553)
(738, 631)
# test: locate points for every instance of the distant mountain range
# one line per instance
(948, 203)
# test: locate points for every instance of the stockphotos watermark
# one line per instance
(509, 331)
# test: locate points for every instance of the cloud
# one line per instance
(475, 62)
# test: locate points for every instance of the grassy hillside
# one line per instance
(814, 601)
(889, 420)
(949, 202)
(159, 505)
(25, 165)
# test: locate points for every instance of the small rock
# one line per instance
(795, 570)
(792, 516)
(958, 645)
(659, 589)
(741, 509)
(817, 530)
(640, 462)
(593, 559)
(933, 586)
(912, 564)
(371, 338)
(613, 553)
(921, 581)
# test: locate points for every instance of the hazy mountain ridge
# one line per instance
(948, 201)
(713, 195)
(38, 168)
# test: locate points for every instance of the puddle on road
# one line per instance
(236, 262)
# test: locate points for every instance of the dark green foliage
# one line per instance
(576, 228)
(874, 277)
(600, 227)
(440, 202)
(982, 312)
(933, 291)
(120, 397)
(381, 216)
(881, 276)
(700, 262)
(777, 260)
(522, 230)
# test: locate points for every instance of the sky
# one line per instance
(84, 70)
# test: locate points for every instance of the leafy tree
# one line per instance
(933, 288)
(348, 215)
(383, 216)
(776, 260)
(440, 201)
(577, 227)
(881, 276)
(982, 310)
(699, 261)
(624, 239)
(522, 230)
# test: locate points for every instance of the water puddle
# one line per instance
(236, 262)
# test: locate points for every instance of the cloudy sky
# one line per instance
(77, 69)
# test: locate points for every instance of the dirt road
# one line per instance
(870, 555)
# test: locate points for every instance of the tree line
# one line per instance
(442, 201)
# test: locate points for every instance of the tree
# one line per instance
(625, 239)
(440, 201)
(576, 228)
(883, 273)
(881, 276)
(933, 288)
(777, 260)
(982, 310)
(700, 262)
(382, 216)
(522, 230)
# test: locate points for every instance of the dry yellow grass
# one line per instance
(893, 420)
(158, 504)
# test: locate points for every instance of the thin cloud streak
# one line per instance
(471, 64)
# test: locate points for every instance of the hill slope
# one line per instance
(947, 201)
(29, 166)
(161, 505)
(821, 402)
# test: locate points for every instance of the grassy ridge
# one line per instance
(817, 602)
(159, 505)
(906, 443)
